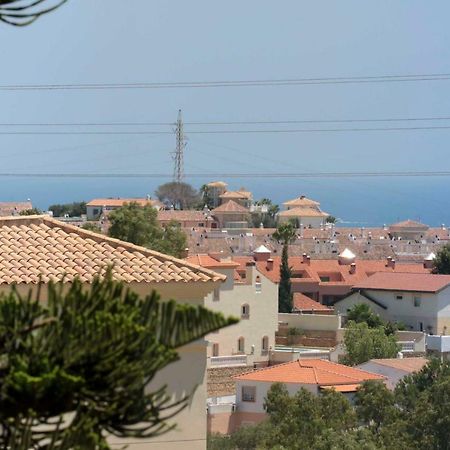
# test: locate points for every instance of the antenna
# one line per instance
(178, 154)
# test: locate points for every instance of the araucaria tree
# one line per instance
(77, 367)
(286, 234)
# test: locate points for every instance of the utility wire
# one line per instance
(444, 173)
(229, 83)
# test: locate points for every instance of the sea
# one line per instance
(357, 201)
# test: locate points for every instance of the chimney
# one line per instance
(185, 253)
(249, 268)
(305, 258)
(269, 265)
(391, 263)
(308, 260)
(352, 268)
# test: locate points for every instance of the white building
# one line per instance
(251, 298)
(421, 301)
(96, 207)
(305, 212)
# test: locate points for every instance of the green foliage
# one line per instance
(30, 212)
(90, 353)
(139, 225)
(91, 226)
(362, 313)
(206, 198)
(268, 219)
(295, 331)
(178, 195)
(363, 343)
(75, 209)
(331, 219)
(285, 233)
(442, 261)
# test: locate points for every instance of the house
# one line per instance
(215, 189)
(242, 197)
(421, 301)
(35, 248)
(328, 280)
(408, 230)
(304, 212)
(187, 218)
(96, 207)
(394, 369)
(306, 305)
(254, 300)
(231, 215)
(14, 208)
(314, 375)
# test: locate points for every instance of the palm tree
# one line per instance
(24, 12)
(285, 233)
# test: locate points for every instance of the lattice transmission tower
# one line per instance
(178, 154)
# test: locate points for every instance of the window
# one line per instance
(265, 344)
(324, 279)
(399, 297)
(215, 349)
(216, 295)
(245, 311)
(248, 393)
(96, 212)
(258, 285)
(241, 345)
(417, 302)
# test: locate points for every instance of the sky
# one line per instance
(111, 41)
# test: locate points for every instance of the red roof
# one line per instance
(304, 303)
(310, 371)
(418, 282)
(412, 224)
(118, 202)
(184, 215)
(209, 262)
(231, 207)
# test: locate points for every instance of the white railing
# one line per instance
(407, 346)
(228, 361)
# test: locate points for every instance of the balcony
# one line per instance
(228, 361)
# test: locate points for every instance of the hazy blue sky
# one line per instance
(97, 41)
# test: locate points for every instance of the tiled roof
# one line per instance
(13, 208)
(118, 202)
(236, 194)
(406, 364)
(313, 270)
(304, 303)
(408, 224)
(217, 184)
(301, 201)
(303, 211)
(230, 207)
(36, 246)
(344, 388)
(210, 262)
(187, 215)
(418, 282)
(311, 371)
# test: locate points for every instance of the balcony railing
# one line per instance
(406, 346)
(228, 361)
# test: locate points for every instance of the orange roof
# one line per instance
(303, 211)
(304, 303)
(419, 282)
(343, 388)
(118, 202)
(316, 267)
(301, 201)
(185, 215)
(408, 224)
(236, 194)
(310, 371)
(406, 364)
(13, 208)
(230, 207)
(38, 246)
(217, 184)
(210, 262)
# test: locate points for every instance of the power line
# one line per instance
(444, 173)
(252, 131)
(230, 83)
(237, 122)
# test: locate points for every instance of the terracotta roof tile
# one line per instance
(406, 364)
(419, 282)
(211, 263)
(303, 211)
(408, 224)
(118, 202)
(33, 246)
(304, 303)
(311, 371)
(13, 208)
(301, 201)
(182, 215)
(237, 194)
(230, 207)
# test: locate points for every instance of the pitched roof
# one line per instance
(408, 224)
(13, 208)
(304, 303)
(315, 267)
(310, 371)
(211, 263)
(413, 282)
(118, 202)
(230, 207)
(262, 249)
(303, 211)
(347, 254)
(34, 246)
(217, 184)
(409, 365)
(198, 216)
(301, 201)
(236, 194)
